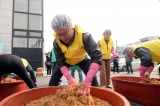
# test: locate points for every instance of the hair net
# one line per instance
(61, 21)
(127, 49)
(106, 31)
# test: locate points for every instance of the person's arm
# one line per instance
(95, 54)
(92, 48)
(62, 64)
(146, 62)
(113, 52)
(59, 55)
(145, 56)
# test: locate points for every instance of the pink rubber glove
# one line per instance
(145, 72)
(150, 69)
(114, 53)
(66, 73)
(94, 67)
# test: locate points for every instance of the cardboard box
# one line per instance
(39, 74)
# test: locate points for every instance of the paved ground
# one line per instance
(43, 81)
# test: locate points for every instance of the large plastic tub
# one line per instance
(145, 94)
(23, 97)
(7, 89)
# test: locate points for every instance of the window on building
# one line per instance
(35, 22)
(20, 33)
(35, 6)
(35, 34)
(35, 43)
(20, 21)
(21, 5)
(20, 42)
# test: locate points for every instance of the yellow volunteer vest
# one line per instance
(25, 63)
(104, 50)
(154, 48)
(75, 53)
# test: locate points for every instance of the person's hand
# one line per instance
(94, 67)
(85, 89)
(114, 54)
(150, 69)
(71, 82)
(66, 73)
(145, 72)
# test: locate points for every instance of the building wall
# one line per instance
(6, 24)
(21, 30)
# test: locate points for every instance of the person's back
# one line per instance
(25, 62)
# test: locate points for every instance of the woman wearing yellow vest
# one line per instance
(106, 48)
(71, 46)
(148, 52)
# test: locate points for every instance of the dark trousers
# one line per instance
(14, 64)
(53, 65)
(115, 67)
(57, 74)
(129, 65)
(48, 69)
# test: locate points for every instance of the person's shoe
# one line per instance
(35, 85)
(128, 73)
(132, 73)
(108, 87)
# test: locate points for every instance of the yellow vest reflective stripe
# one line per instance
(104, 50)
(25, 63)
(153, 47)
(75, 53)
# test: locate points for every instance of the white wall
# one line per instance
(6, 24)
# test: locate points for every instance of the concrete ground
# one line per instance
(43, 81)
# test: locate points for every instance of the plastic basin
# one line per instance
(145, 94)
(23, 97)
(7, 89)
